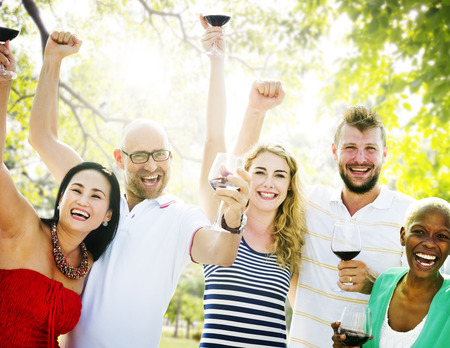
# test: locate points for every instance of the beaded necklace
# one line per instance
(63, 265)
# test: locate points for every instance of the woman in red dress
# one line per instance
(44, 262)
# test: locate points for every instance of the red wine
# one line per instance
(354, 338)
(217, 20)
(346, 255)
(222, 182)
(7, 34)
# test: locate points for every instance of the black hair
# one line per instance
(97, 240)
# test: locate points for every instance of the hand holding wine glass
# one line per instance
(355, 324)
(7, 61)
(212, 40)
(225, 164)
(346, 242)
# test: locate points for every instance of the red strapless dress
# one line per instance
(35, 310)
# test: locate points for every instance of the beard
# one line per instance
(134, 184)
(365, 187)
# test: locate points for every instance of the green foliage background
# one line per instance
(143, 58)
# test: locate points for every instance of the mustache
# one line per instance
(144, 172)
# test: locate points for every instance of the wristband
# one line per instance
(235, 230)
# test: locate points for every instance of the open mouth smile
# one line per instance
(80, 214)
(151, 180)
(425, 260)
(267, 195)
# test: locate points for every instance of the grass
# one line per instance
(170, 342)
(167, 341)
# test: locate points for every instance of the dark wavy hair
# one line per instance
(97, 240)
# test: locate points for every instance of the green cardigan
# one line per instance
(436, 330)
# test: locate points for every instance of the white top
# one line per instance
(130, 286)
(316, 305)
(390, 338)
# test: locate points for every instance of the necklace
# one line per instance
(61, 262)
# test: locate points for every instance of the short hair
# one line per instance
(290, 221)
(426, 205)
(97, 240)
(360, 117)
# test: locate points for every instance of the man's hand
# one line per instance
(357, 273)
(265, 95)
(62, 44)
(235, 201)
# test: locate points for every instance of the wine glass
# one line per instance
(216, 21)
(356, 324)
(346, 241)
(5, 35)
(224, 165)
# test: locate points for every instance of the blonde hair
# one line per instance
(290, 221)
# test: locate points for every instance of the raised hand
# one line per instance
(7, 60)
(61, 44)
(211, 35)
(265, 95)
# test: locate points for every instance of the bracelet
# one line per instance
(235, 230)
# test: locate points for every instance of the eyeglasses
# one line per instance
(142, 157)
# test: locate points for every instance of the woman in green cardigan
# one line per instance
(411, 307)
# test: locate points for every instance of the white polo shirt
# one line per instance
(130, 286)
(316, 305)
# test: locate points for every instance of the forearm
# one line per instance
(5, 88)
(215, 133)
(213, 247)
(250, 130)
(44, 111)
(57, 156)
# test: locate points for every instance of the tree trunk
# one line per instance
(177, 318)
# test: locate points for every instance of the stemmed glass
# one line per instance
(216, 21)
(5, 35)
(356, 325)
(224, 165)
(346, 241)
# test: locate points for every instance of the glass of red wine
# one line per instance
(5, 35)
(356, 325)
(224, 165)
(346, 241)
(216, 21)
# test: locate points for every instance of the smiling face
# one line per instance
(360, 157)
(426, 238)
(85, 202)
(145, 180)
(270, 181)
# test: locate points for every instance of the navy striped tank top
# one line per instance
(244, 304)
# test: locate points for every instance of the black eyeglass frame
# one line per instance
(148, 154)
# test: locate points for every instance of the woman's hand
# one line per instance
(211, 35)
(7, 60)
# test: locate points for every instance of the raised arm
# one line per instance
(57, 156)
(215, 117)
(15, 211)
(264, 95)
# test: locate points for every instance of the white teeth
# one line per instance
(426, 257)
(151, 177)
(359, 170)
(80, 212)
(267, 195)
